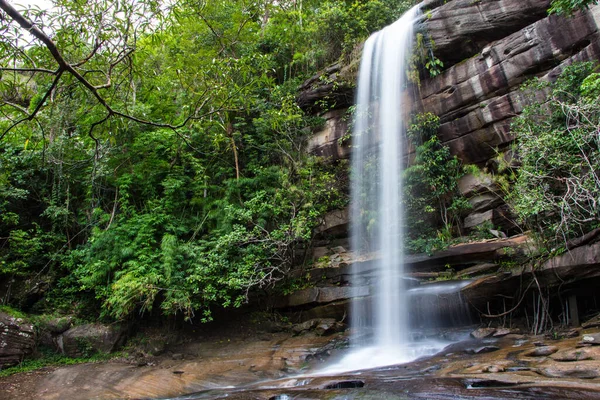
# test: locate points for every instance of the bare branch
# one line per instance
(34, 70)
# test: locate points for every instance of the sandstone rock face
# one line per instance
(320, 295)
(489, 48)
(332, 141)
(461, 28)
(84, 340)
(17, 340)
(476, 99)
(577, 265)
(335, 223)
(333, 86)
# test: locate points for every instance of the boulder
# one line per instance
(592, 322)
(17, 340)
(58, 325)
(591, 338)
(305, 326)
(572, 355)
(498, 217)
(501, 332)
(471, 185)
(85, 340)
(541, 351)
(485, 201)
(477, 219)
(483, 333)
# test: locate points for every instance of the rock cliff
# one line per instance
(489, 48)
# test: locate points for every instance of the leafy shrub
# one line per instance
(557, 187)
(431, 188)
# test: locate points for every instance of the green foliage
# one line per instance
(118, 218)
(423, 60)
(568, 7)
(12, 312)
(557, 185)
(309, 35)
(431, 188)
(49, 359)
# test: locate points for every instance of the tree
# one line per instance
(160, 164)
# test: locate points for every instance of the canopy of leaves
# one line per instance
(153, 158)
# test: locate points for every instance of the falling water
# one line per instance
(378, 143)
(377, 214)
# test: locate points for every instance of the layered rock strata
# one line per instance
(17, 340)
(501, 44)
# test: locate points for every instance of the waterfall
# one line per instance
(380, 323)
(378, 148)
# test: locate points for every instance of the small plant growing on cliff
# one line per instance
(568, 7)
(431, 184)
(423, 59)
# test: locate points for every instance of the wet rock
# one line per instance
(478, 269)
(577, 372)
(84, 340)
(501, 332)
(513, 336)
(542, 351)
(461, 28)
(593, 339)
(17, 340)
(572, 355)
(329, 327)
(483, 333)
(482, 349)
(493, 369)
(338, 249)
(335, 223)
(517, 369)
(321, 295)
(305, 326)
